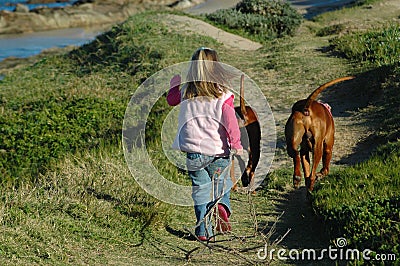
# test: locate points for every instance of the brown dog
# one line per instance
(311, 127)
(247, 121)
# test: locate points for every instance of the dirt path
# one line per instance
(349, 132)
(210, 6)
(191, 25)
(285, 75)
(308, 8)
(306, 231)
(173, 245)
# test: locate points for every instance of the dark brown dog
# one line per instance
(311, 127)
(248, 123)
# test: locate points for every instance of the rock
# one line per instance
(81, 2)
(44, 10)
(21, 8)
(3, 22)
(181, 4)
(84, 13)
(41, 1)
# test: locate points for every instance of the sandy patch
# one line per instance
(191, 25)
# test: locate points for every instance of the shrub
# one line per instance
(117, 50)
(265, 19)
(364, 2)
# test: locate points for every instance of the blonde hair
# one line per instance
(206, 76)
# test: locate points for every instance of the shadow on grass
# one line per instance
(136, 209)
(307, 231)
(180, 233)
(367, 99)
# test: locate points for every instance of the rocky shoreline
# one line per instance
(100, 14)
(83, 13)
(94, 13)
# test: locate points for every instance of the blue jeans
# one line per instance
(208, 186)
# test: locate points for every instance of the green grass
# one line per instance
(67, 195)
(64, 104)
(86, 204)
(377, 47)
(373, 179)
(362, 202)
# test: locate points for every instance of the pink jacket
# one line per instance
(204, 126)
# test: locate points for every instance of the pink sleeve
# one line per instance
(231, 124)
(174, 96)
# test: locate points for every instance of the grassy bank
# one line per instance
(361, 203)
(67, 193)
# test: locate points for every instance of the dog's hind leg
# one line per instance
(305, 160)
(326, 159)
(294, 132)
(296, 174)
(295, 154)
(317, 155)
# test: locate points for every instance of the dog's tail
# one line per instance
(242, 103)
(315, 93)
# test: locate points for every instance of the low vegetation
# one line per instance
(362, 203)
(66, 189)
(375, 47)
(67, 196)
(86, 204)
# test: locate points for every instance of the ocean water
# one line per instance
(10, 4)
(29, 44)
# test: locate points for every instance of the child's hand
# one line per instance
(237, 151)
(175, 81)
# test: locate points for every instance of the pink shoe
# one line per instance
(202, 238)
(223, 224)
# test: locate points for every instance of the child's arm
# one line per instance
(174, 94)
(231, 124)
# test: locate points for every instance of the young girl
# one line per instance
(207, 131)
